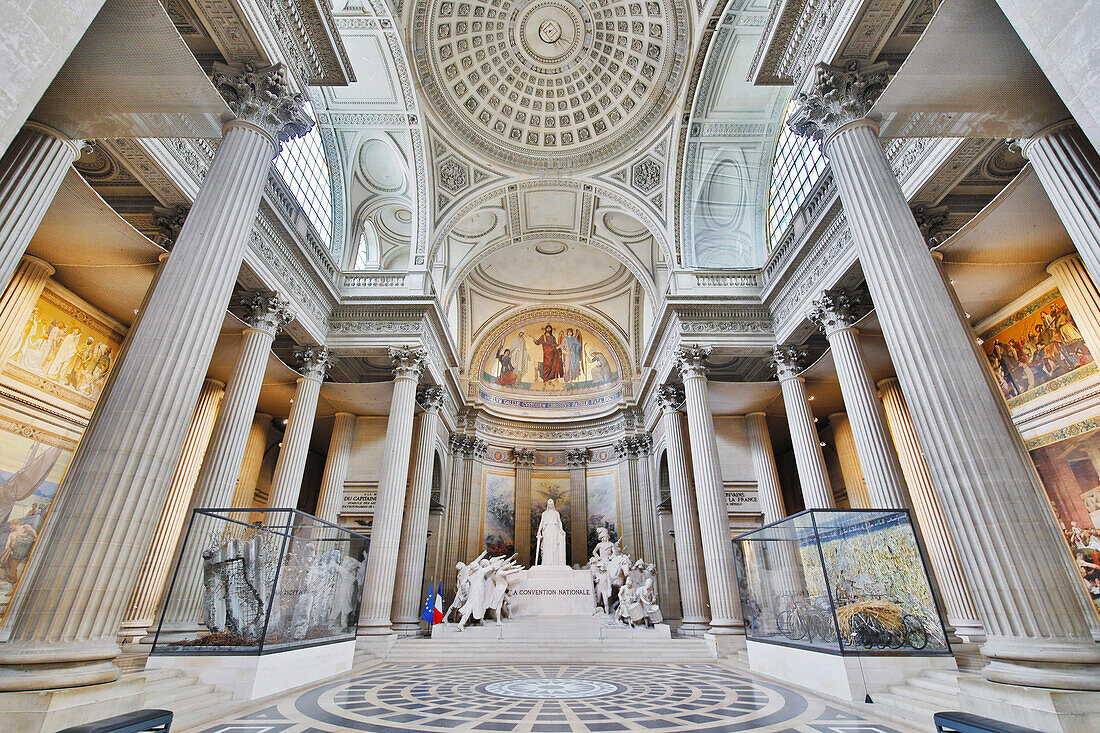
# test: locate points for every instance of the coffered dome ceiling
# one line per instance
(550, 83)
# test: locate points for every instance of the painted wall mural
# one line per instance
(32, 464)
(65, 350)
(550, 486)
(602, 489)
(549, 359)
(499, 519)
(1036, 350)
(1068, 461)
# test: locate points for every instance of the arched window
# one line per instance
(366, 247)
(304, 168)
(798, 164)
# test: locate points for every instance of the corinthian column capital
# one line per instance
(430, 398)
(834, 310)
(263, 97)
(693, 360)
(407, 361)
(788, 361)
(266, 311)
(576, 457)
(526, 456)
(169, 221)
(670, 397)
(840, 95)
(315, 361)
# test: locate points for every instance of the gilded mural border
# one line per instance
(1069, 431)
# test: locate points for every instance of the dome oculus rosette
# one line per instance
(559, 83)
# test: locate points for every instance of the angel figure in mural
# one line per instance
(572, 352)
(550, 538)
(551, 367)
(507, 374)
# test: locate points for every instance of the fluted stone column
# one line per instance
(577, 461)
(31, 173)
(244, 494)
(331, 496)
(812, 474)
(218, 477)
(1034, 607)
(286, 483)
(710, 496)
(1082, 298)
(525, 461)
(154, 571)
(848, 457)
(374, 617)
(768, 492)
(104, 517)
(1068, 166)
(962, 614)
(414, 525)
(452, 511)
(685, 516)
(17, 304)
(833, 312)
(647, 503)
(628, 465)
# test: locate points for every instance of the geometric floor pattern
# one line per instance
(551, 698)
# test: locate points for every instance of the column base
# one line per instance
(376, 645)
(26, 677)
(1045, 709)
(134, 632)
(724, 645)
(51, 710)
(406, 628)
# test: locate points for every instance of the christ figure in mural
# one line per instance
(551, 354)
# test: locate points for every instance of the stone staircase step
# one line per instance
(888, 705)
(949, 687)
(915, 694)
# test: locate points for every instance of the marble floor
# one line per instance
(551, 698)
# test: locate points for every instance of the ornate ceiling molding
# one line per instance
(563, 84)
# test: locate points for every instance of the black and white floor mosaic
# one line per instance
(551, 699)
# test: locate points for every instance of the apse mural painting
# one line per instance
(603, 504)
(549, 486)
(64, 350)
(1037, 349)
(32, 464)
(1068, 461)
(499, 521)
(555, 356)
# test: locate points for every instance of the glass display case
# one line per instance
(842, 581)
(255, 581)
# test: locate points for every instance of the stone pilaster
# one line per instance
(374, 617)
(525, 460)
(958, 605)
(1068, 166)
(848, 456)
(286, 483)
(1034, 609)
(685, 516)
(154, 570)
(331, 496)
(1082, 298)
(31, 172)
(244, 493)
(475, 479)
(454, 507)
(710, 496)
(768, 492)
(577, 461)
(116, 485)
(833, 312)
(812, 474)
(407, 600)
(17, 304)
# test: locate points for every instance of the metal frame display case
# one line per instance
(840, 581)
(269, 580)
